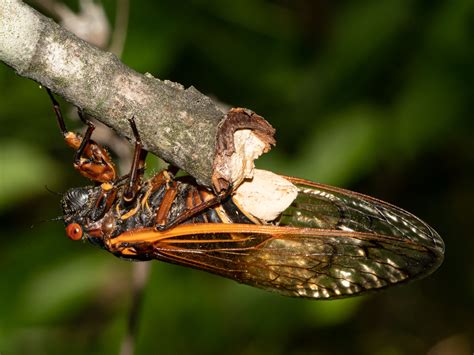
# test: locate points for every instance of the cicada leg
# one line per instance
(138, 163)
(57, 111)
(86, 140)
(91, 160)
(163, 224)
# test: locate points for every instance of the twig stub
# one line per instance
(232, 165)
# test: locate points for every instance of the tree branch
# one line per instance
(182, 126)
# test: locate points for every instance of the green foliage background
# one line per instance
(375, 96)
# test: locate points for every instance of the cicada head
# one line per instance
(78, 206)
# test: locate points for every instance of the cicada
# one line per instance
(328, 243)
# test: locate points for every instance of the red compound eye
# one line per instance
(74, 231)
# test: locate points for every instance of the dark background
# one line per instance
(374, 96)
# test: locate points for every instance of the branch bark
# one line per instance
(182, 126)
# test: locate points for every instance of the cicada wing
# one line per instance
(299, 262)
(326, 207)
(330, 243)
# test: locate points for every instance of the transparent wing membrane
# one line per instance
(327, 207)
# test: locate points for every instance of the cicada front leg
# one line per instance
(91, 159)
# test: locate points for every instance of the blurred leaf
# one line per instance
(427, 109)
(451, 30)
(260, 17)
(361, 43)
(64, 288)
(332, 313)
(23, 173)
(346, 145)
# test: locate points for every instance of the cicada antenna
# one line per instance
(52, 191)
(55, 219)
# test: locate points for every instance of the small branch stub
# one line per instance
(182, 126)
(241, 138)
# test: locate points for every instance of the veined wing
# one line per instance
(326, 207)
(299, 262)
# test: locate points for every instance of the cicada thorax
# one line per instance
(103, 214)
(160, 204)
